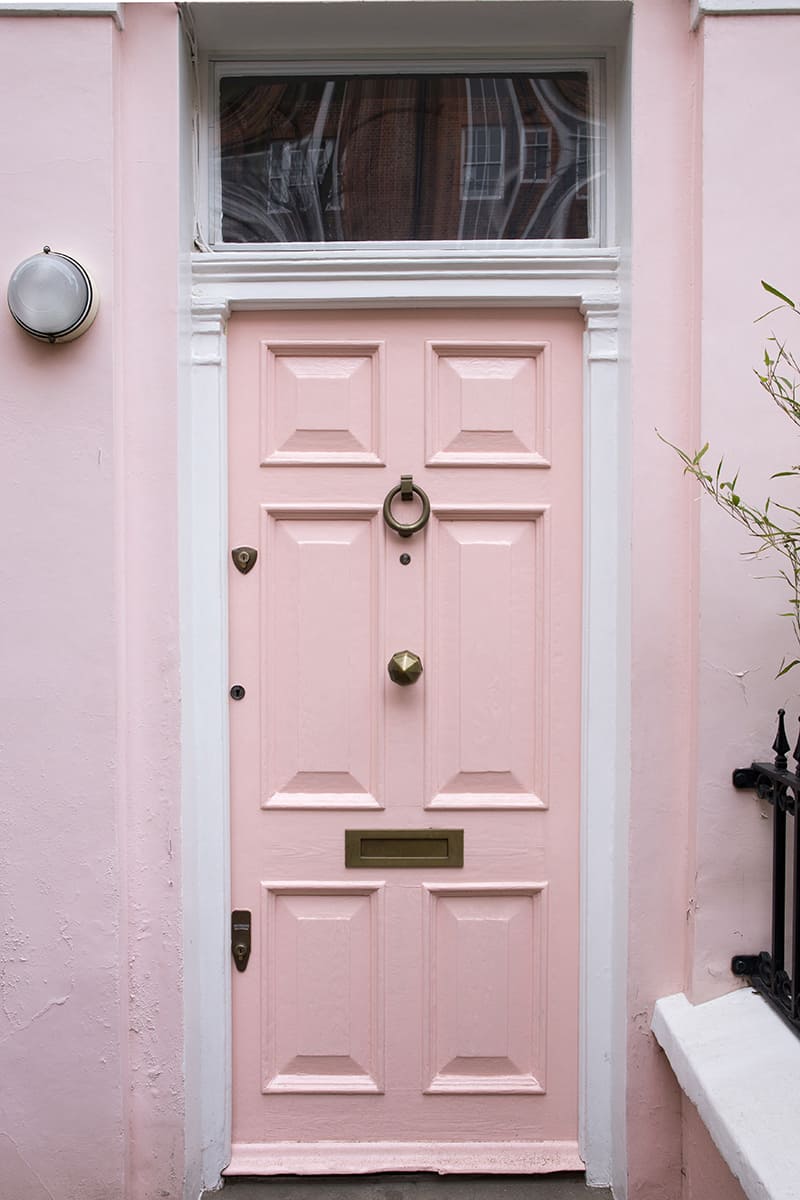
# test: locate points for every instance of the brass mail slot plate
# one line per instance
(404, 848)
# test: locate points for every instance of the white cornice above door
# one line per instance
(332, 27)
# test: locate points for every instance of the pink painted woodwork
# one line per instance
(419, 1012)
(325, 404)
(485, 989)
(317, 661)
(487, 617)
(321, 1026)
(488, 405)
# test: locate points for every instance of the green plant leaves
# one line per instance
(780, 533)
(774, 292)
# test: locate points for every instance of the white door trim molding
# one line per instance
(222, 283)
(531, 275)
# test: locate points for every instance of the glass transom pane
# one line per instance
(405, 157)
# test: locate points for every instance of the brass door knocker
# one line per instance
(407, 489)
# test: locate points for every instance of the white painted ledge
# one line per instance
(740, 8)
(66, 8)
(740, 1066)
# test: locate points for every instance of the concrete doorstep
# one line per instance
(562, 1186)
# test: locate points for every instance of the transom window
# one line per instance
(365, 158)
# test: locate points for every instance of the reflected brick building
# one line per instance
(405, 158)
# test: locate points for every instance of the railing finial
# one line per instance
(781, 743)
(775, 973)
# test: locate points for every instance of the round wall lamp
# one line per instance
(52, 297)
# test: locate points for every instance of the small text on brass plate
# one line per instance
(404, 848)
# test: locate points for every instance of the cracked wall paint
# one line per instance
(19, 1177)
(90, 1109)
(61, 1100)
(150, 137)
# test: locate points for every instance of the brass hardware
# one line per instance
(404, 667)
(241, 924)
(244, 558)
(404, 848)
(406, 489)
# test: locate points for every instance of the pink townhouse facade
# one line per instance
(267, 907)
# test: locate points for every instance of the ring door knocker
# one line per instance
(406, 489)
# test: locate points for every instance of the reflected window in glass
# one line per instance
(536, 154)
(483, 158)
(300, 173)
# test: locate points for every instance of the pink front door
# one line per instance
(421, 1016)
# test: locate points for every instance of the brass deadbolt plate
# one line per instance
(244, 558)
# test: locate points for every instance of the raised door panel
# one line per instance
(323, 706)
(485, 988)
(322, 403)
(486, 693)
(488, 404)
(322, 1011)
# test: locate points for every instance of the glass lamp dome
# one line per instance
(52, 297)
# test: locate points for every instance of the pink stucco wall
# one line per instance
(749, 221)
(705, 1175)
(147, 362)
(90, 1045)
(63, 911)
(663, 394)
(713, 214)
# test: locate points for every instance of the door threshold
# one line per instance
(365, 1158)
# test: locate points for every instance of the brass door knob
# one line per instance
(405, 667)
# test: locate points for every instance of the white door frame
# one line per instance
(586, 279)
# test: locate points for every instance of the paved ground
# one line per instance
(412, 1187)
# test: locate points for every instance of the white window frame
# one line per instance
(584, 152)
(209, 208)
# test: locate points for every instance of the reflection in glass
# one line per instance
(406, 157)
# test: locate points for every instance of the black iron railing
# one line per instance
(776, 973)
